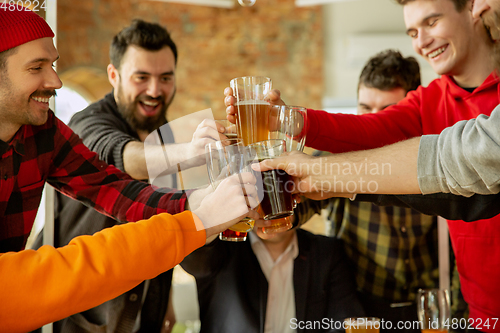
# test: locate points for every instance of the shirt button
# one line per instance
(133, 298)
(403, 229)
(5, 177)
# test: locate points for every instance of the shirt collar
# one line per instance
(17, 142)
(456, 91)
(293, 247)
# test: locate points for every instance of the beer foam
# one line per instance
(252, 102)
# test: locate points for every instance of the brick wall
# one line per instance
(273, 38)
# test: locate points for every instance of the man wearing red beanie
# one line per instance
(35, 147)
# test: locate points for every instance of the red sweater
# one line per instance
(428, 111)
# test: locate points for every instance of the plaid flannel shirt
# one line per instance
(393, 249)
(53, 153)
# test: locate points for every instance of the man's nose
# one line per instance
(154, 88)
(423, 39)
(52, 81)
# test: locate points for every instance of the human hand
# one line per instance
(233, 200)
(310, 174)
(207, 132)
(274, 98)
(196, 197)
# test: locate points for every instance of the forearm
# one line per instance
(42, 286)
(388, 170)
(447, 205)
(78, 173)
(339, 133)
(145, 161)
(463, 159)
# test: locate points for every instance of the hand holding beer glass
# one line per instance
(258, 121)
(226, 158)
(433, 306)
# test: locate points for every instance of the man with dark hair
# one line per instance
(389, 70)
(142, 73)
(41, 286)
(385, 80)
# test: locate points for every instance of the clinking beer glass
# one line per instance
(277, 203)
(287, 123)
(252, 109)
(226, 158)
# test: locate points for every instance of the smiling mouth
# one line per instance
(150, 107)
(41, 99)
(437, 52)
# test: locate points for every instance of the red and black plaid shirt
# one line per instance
(53, 153)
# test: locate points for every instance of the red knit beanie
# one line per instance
(21, 25)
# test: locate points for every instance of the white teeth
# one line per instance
(41, 99)
(150, 103)
(437, 52)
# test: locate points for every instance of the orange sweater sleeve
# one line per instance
(39, 287)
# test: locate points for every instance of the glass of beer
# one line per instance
(362, 324)
(226, 158)
(433, 306)
(277, 185)
(252, 109)
(288, 123)
(229, 128)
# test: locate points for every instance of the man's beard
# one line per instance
(128, 111)
(491, 21)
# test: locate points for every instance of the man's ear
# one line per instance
(113, 75)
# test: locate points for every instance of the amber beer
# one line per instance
(253, 121)
(277, 201)
(364, 325)
(238, 232)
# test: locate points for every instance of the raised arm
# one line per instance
(464, 159)
(49, 284)
(116, 145)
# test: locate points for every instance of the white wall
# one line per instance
(354, 31)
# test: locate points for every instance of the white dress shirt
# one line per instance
(279, 274)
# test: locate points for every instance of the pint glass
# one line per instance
(277, 202)
(433, 307)
(252, 109)
(226, 158)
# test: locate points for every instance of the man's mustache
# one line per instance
(151, 99)
(44, 93)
